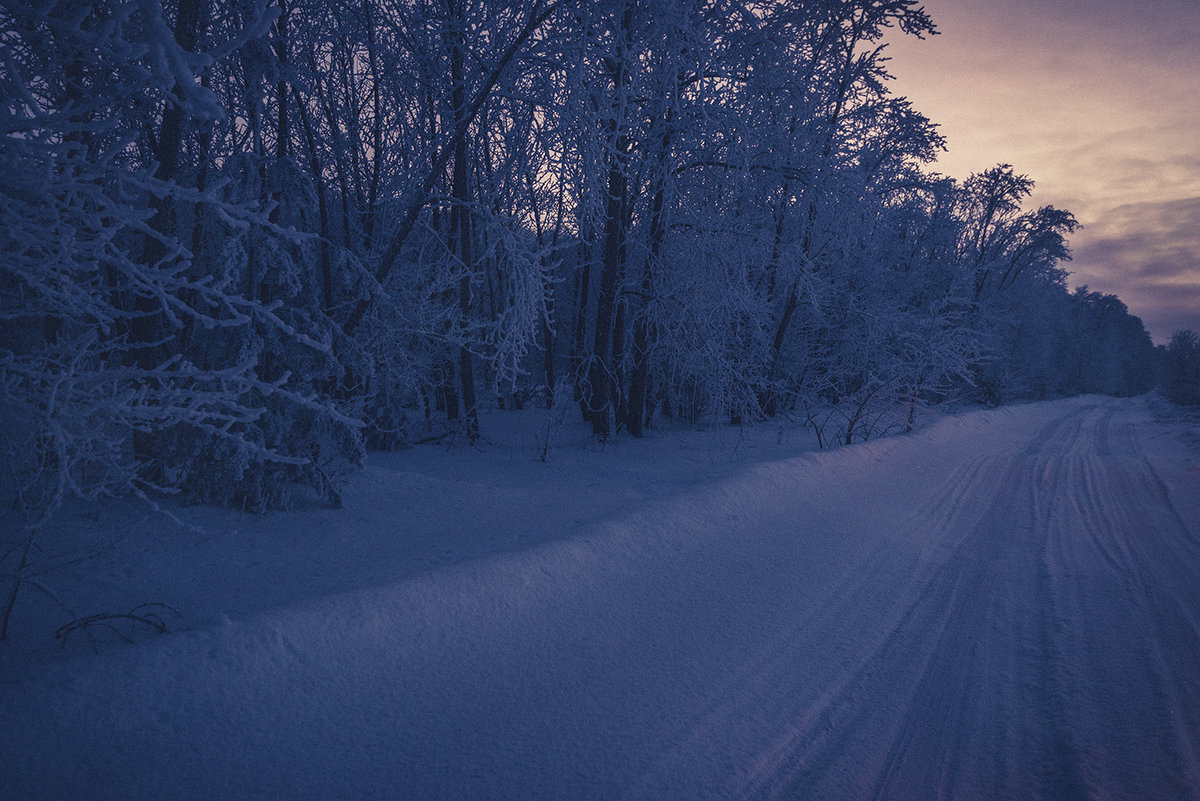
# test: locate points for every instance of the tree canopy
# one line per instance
(244, 241)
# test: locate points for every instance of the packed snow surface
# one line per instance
(1005, 604)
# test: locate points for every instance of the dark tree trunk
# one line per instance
(619, 399)
(639, 378)
(148, 327)
(584, 278)
(460, 224)
(600, 374)
(283, 134)
(314, 163)
(549, 343)
(599, 381)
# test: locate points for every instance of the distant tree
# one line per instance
(1012, 260)
(1181, 369)
(1108, 351)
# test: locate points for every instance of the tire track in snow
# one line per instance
(770, 674)
(1098, 700)
(1096, 704)
(985, 683)
(875, 684)
(809, 719)
(964, 680)
(1159, 635)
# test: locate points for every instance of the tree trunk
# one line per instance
(147, 327)
(598, 390)
(584, 278)
(460, 224)
(639, 377)
(314, 163)
(619, 399)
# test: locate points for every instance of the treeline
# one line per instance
(1179, 368)
(244, 240)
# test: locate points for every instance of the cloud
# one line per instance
(1149, 254)
(1094, 100)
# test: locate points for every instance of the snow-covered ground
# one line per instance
(1005, 604)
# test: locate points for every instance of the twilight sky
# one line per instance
(1098, 101)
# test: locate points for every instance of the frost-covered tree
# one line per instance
(133, 356)
(1181, 368)
(1107, 350)
(1011, 260)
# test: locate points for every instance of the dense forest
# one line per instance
(244, 241)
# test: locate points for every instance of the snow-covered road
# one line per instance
(1005, 605)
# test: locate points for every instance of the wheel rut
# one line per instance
(1003, 646)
